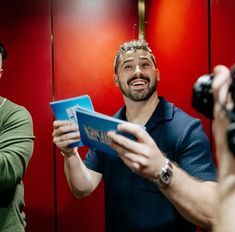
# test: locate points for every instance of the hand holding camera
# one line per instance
(214, 96)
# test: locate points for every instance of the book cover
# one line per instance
(93, 128)
(66, 110)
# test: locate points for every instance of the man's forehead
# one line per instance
(133, 54)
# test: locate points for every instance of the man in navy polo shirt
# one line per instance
(164, 181)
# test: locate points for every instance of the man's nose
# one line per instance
(138, 70)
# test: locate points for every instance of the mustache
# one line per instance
(146, 78)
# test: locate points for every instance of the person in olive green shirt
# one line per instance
(16, 147)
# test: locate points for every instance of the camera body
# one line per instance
(203, 102)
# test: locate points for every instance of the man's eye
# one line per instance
(145, 65)
(128, 66)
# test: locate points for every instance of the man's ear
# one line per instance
(1, 71)
(158, 74)
(116, 79)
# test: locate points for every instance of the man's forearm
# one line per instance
(78, 176)
(194, 200)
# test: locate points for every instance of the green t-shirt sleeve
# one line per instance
(16, 146)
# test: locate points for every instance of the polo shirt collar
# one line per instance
(163, 112)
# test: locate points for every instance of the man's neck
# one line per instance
(140, 112)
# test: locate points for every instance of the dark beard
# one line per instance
(141, 95)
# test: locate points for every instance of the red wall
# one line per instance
(178, 33)
(222, 32)
(79, 60)
(86, 37)
(25, 31)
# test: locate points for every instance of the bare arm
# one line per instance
(192, 198)
(195, 200)
(82, 181)
(226, 161)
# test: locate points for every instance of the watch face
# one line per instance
(166, 178)
(165, 175)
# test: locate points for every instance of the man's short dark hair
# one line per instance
(132, 46)
(3, 52)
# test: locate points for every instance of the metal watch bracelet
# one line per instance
(164, 176)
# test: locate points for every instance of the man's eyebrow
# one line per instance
(144, 58)
(131, 59)
(127, 60)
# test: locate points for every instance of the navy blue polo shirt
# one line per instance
(134, 204)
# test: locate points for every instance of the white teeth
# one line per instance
(138, 83)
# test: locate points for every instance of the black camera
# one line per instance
(203, 102)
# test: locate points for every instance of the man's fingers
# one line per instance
(126, 143)
(62, 127)
(137, 131)
(58, 123)
(221, 83)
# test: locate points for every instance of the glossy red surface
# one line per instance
(178, 33)
(25, 32)
(86, 36)
(223, 33)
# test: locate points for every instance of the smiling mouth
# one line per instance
(138, 83)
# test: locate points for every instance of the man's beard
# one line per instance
(141, 95)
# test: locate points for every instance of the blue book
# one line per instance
(93, 128)
(66, 110)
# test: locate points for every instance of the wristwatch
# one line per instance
(164, 176)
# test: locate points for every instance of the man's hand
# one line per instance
(141, 156)
(65, 133)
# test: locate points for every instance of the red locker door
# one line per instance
(86, 37)
(178, 34)
(25, 31)
(222, 32)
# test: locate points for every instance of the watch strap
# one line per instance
(165, 175)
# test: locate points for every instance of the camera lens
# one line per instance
(202, 99)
